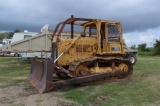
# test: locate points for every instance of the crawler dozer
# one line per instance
(94, 55)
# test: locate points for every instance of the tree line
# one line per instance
(143, 47)
(8, 35)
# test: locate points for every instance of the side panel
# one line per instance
(83, 48)
(114, 48)
(37, 43)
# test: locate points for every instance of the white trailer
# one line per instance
(16, 37)
(22, 44)
(38, 45)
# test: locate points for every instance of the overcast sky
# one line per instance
(140, 18)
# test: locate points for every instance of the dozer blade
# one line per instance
(41, 74)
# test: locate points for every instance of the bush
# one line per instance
(146, 53)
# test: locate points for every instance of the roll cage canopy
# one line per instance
(76, 21)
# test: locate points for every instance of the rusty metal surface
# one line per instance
(79, 80)
(72, 27)
(69, 21)
(41, 73)
(79, 48)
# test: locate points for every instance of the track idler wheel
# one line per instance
(123, 67)
(82, 70)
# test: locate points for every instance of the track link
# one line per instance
(115, 75)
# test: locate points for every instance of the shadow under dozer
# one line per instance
(41, 76)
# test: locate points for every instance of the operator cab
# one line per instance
(108, 35)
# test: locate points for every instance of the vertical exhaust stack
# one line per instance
(72, 27)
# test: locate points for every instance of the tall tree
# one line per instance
(3, 35)
(133, 47)
(17, 30)
(157, 47)
(9, 35)
(142, 47)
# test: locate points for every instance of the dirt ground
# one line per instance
(25, 95)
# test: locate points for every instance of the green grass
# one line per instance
(11, 69)
(141, 89)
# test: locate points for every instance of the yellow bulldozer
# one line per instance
(93, 55)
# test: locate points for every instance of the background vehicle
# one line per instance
(94, 55)
(5, 42)
(131, 54)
